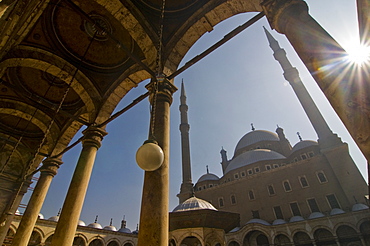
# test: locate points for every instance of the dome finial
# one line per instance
(207, 169)
(111, 222)
(299, 136)
(60, 210)
(253, 127)
(96, 219)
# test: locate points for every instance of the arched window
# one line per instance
(78, 241)
(113, 243)
(324, 237)
(287, 187)
(301, 238)
(233, 199)
(303, 181)
(190, 241)
(35, 239)
(221, 202)
(271, 190)
(96, 242)
(172, 243)
(281, 240)
(48, 240)
(251, 195)
(321, 177)
(233, 243)
(262, 240)
(347, 234)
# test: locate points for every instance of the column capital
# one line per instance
(280, 12)
(165, 89)
(50, 166)
(93, 136)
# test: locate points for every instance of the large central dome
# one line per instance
(255, 137)
(253, 156)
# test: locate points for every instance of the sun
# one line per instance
(358, 54)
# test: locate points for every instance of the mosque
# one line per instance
(270, 193)
(65, 64)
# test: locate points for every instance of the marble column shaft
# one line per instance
(154, 221)
(30, 216)
(70, 215)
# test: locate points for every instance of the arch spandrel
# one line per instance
(201, 22)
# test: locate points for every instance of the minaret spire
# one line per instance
(325, 135)
(186, 185)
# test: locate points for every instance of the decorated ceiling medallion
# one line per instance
(98, 30)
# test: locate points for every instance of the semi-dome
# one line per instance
(110, 228)
(296, 219)
(303, 144)
(278, 222)
(358, 207)
(253, 156)
(336, 211)
(194, 203)
(54, 218)
(259, 221)
(208, 176)
(255, 137)
(81, 223)
(95, 225)
(124, 230)
(315, 215)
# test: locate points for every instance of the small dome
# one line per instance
(124, 230)
(303, 144)
(194, 203)
(110, 228)
(95, 225)
(255, 137)
(315, 215)
(253, 156)
(259, 221)
(81, 223)
(54, 218)
(40, 216)
(278, 222)
(296, 219)
(235, 229)
(208, 176)
(358, 207)
(336, 211)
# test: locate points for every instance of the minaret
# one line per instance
(224, 161)
(186, 189)
(325, 135)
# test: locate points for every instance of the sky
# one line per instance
(238, 84)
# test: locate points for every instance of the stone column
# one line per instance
(345, 85)
(29, 218)
(154, 224)
(68, 220)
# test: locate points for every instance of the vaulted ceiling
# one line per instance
(65, 63)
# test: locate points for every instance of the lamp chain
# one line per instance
(158, 70)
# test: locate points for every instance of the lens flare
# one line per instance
(359, 54)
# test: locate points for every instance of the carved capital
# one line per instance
(93, 136)
(50, 166)
(280, 12)
(164, 92)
